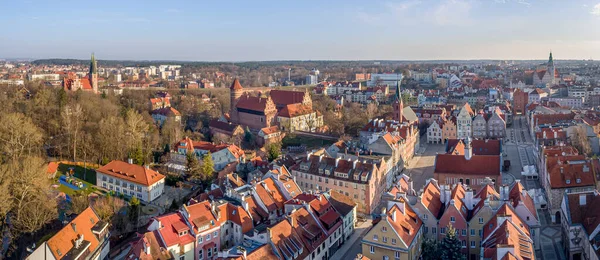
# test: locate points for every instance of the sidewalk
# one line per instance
(350, 247)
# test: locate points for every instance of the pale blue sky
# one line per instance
(242, 30)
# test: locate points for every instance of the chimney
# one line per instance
(354, 164)
(337, 160)
(321, 158)
(394, 215)
(504, 192)
(469, 199)
(582, 199)
(130, 161)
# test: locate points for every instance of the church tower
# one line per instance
(93, 76)
(235, 92)
(398, 105)
(552, 69)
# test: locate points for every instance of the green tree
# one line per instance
(274, 150)
(450, 246)
(208, 167)
(134, 208)
(137, 155)
(193, 166)
(430, 249)
(174, 206)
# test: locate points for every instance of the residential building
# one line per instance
(434, 133)
(364, 181)
(479, 126)
(85, 237)
(467, 167)
(202, 218)
(464, 121)
(147, 246)
(269, 135)
(396, 234)
(536, 95)
(506, 236)
(449, 129)
(299, 117)
(456, 212)
(131, 180)
(566, 173)
(174, 234)
(496, 125)
(581, 225)
(226, 131)
(391, 79)
(523, 205)
(221, 154)
(163, 114)
(346, 207)
(570, 102)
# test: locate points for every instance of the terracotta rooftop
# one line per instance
(62, 244)
(236, 85)
(131, 172)
(172, 228)
(149, 239)
(478, 164)
(480, 147)
(285, 97)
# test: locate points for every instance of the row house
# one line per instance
(389, 137)
(539, 120)
(506, 236)
(551, 136)
(346, 207)
(318, 208)
(434, 132)
(396, 234)
(566, 173)
(85, 237)
(464, 119)
(468, 212)
(360, 179)
(571, 102)
(221, 154)
(429, 115)
(449, 127)
(131, 180)
(581, 225)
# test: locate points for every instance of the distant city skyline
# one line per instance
(302, 30)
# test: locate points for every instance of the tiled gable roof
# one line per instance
(569, 171)
(285, 97)
(477, 165)
(406, 224)
(171, 226)
(131, 172)
(431, 199)
(62, 244)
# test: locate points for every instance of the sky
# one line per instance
(255, 30)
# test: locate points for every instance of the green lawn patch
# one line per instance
(86, 174)
(310, 142)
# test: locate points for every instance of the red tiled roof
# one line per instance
(517, 194)
(225, 126)
(252, 103)
(284, 97)
(63, 241)
(171, 226)
(480, 147)
(256, 211)
(575, 170)
(166, 111)
(587, 215)
(342, 203)
(200, 216)
(431, 199)
(238, 215)
(407, 223)
(477, 165)
(131, 172)
(270, 130)
(236, 85)
(294, 110)
(148, 239)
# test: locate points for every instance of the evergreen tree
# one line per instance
(430, 250)
(193, 166)
(207, 168)
(451, 246)
(137, 155)
(274, 151)
(134, 207)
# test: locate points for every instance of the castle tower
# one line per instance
(93, 76)
(235, 92)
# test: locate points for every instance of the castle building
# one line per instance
(90, 83)
(290, 108)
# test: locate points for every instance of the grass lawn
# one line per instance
(310, 142)
(80, 172)
(89, 188)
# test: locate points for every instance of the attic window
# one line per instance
(568, 181)
(578, 180)
(58, 252)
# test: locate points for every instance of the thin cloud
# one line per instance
(596, 10)
(173, 10)
(522, 2)
(452, 12)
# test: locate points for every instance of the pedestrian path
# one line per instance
(349, 246)
(550, 239)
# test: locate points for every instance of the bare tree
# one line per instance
(371, 110)
(580, 140)
(72, 118)
(18, 136)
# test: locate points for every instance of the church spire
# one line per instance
(93, 66)
(550, 60)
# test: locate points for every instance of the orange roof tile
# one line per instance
(131, 172)
(62, 242)
(236, 85)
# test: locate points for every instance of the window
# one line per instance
(200, 254)
(464, 232)
(472, 232)
(384, 239)
(215, 234)
(384, 229)
(481, 233)
(424, 216)
(375, 237)
(372, 250)
(464, 243)
(480, 220)
(472, 244)
(385, 257)
(433, 230)
(443, 230)
(397, 255)
(207, 237)
(182, 257)
(393, 241)
(426, 230)
(452, 219)
(578, 180)
(209, 252)
(568, 181)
